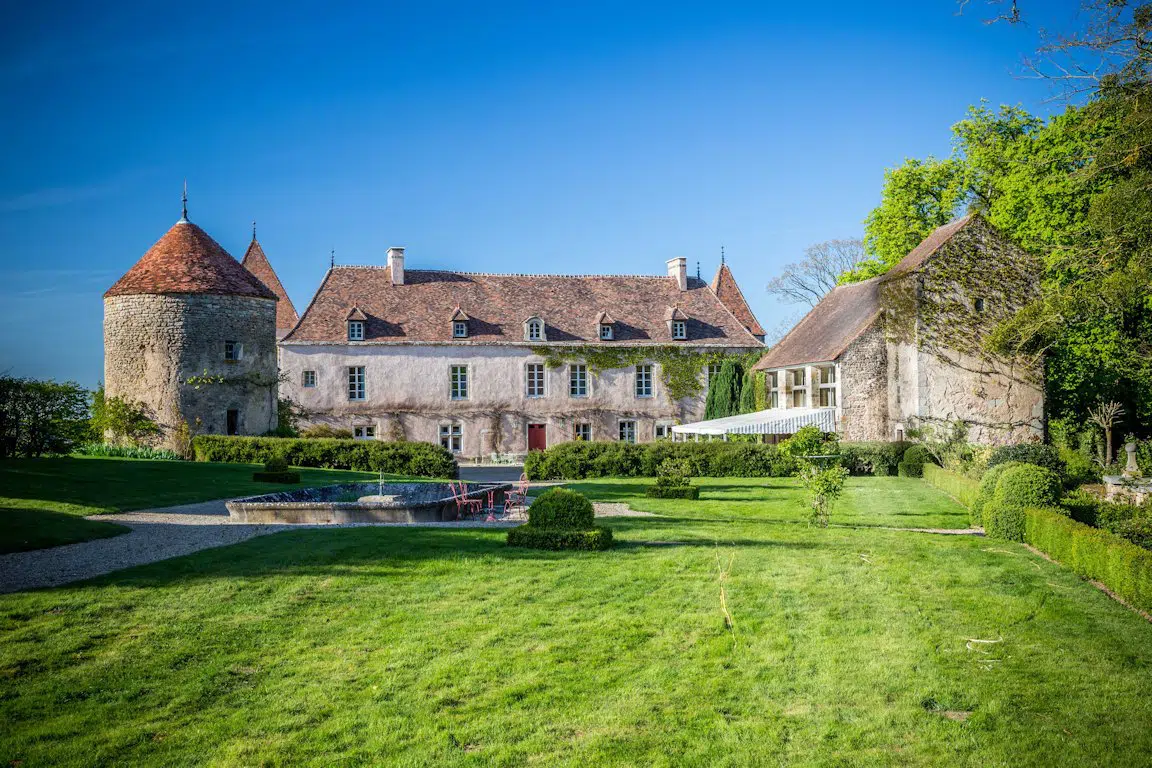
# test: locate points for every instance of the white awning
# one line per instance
(774, 421)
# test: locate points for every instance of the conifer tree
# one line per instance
(724, 391)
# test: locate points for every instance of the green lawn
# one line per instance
(43, 502)
(417, 646)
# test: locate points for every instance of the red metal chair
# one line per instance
(465, 507)
(518, 496)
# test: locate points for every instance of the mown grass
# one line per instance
(898, 502)
(388, 646)
(43, 501)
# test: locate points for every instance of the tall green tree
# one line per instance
(724, 391)
(748, 392)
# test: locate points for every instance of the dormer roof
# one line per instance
(460, 315)
(356, 314)
(674, 313)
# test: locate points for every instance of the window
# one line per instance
(713, 371)
(452, 436)
(679, 329)
(535, 330)
(309, 379)
(827, 379)
(535, 373)
(233, 350)
(799, 396)
(232, 422)
(458, 374)
(663, 431)
(355, 330)
(643, 381)
(578, 380)
(772, 382)
(356, 383)
(366, 432)
(459, 329)
(606, 331)
(582, 431)
(978, 304)
(628, 431)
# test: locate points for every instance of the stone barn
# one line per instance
(905, 349)
(191, 334)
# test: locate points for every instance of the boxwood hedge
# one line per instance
(579, 460)
(401, 458)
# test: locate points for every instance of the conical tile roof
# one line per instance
(256, 262)
(188, 260)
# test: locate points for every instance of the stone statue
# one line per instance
(1131, 469)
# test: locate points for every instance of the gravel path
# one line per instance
(160, 534)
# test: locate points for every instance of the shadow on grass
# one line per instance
(23, 529)
(379, 552)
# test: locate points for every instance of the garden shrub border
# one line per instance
(1094, 554)
(579, 460)
(673, 491)
(963, 489)
(557, 539)
(276, 477)
(400, 458)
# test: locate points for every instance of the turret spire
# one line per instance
(253, 230)
(184, 201)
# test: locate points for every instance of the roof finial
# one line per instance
(253, 229)
(721, 255)
(697, 269)
(184, 200)
(332, 262)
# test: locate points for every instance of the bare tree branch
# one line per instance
(807, 281)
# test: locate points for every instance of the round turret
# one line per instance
(191, 334)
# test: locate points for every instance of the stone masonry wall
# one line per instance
(864, 388)
(407, 394)
(153, 343)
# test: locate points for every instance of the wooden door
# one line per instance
(537, 437)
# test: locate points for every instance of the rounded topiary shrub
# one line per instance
(984, 494)
(1028, 485)
(561, 508)
(1029, 453)
(276, 464)
(912, 464)
(1004, 521)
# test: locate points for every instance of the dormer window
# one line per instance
(460, 324)
(677, 323)
(355, 330)
(605, 332)
(605, 327)
(534, 329)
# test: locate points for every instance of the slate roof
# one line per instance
(725, 287)
(187, 260)
(498, 306)
(257, 263)
(847, 311)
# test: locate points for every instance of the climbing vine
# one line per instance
(681, 370)
(250, 380)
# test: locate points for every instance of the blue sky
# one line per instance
(514, 137)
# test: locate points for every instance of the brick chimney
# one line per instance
(678, 268)
(396, 264)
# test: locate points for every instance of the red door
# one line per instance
(537, 437)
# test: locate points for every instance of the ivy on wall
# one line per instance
(681, 370)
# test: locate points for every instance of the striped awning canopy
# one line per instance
(774, 421)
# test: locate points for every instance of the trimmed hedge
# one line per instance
(963, 489)
(1030, 453)
(276, 477)
(578, 460)
(673, 491)
(561, 508)
(1137, 530)
(556, 539)
(401, 458)
(872, 458)
(1123, 567)
(910, 469)
(1003, 520)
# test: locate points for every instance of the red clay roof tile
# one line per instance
(256, 262)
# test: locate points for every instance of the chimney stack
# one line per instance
(678, 268)
(396, 264)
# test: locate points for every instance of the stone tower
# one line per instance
(191, 334)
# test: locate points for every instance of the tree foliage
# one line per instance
(121, 421)
(1074, 190)
(724, 391)
(39, 417)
